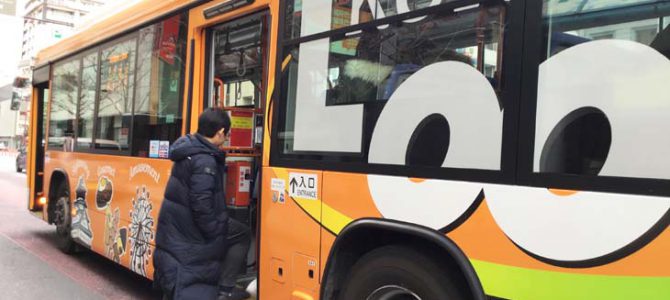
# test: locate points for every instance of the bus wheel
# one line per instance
(62, 219)
(398, 273)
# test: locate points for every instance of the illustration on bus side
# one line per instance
(141, 231)
(113, 236)
(119, 246)
(481, 149)
(104, 192)
(608, 102)
(81, 223)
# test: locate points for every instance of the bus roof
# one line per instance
(140, 12)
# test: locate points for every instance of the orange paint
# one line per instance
(481, 238)
(128, 177)
(563, 193)
(416, 180)
(354, 200)
(287, 234)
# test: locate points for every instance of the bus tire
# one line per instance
(63, 219)
(397, 272)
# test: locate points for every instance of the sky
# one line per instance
(10, 49)
(11, 35)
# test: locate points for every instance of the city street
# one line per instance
(33, 268)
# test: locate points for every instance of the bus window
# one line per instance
(89, 84)
(358, 74)
(158, 93)
(62, 117)
(601, 108)
(117, 83)
(44, 99)
(237, 67)
(237, 73)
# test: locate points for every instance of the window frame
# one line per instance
(266, 27)
(511, 74)
(534, 45)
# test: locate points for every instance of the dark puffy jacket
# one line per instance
(192, 224)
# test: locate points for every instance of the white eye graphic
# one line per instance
(431, 203)
(463, 97)
(582, 228)
(626, 83)
(460, 94)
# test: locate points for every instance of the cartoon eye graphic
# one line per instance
(431, 203)
(610, 83)
(439, 102)
(610, 99)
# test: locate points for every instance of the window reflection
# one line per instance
(117, 83)
(87, 98)
(367, 66)
(158, 92)
(62, 116)
(371, 64)
(600, 111)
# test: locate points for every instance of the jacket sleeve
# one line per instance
(201, 197)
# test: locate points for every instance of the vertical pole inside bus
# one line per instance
(237, 84)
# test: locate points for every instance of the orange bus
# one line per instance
(427, 149)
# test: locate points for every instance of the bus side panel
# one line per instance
(497, 260)
(290, 235)
(122, 197)
(342, 206)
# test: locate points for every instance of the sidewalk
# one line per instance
(24, 276)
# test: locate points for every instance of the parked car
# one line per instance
(21, 161)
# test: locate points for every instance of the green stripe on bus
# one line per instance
(519, 283)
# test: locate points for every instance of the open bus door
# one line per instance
(235, 80)
(37, 141)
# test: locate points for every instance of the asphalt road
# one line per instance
(31, 267)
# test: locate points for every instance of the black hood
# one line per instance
(190, 145)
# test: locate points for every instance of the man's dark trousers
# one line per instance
(235, 260)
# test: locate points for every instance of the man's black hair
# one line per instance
(212, 120)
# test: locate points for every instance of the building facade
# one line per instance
(45, 22)
(9, 120)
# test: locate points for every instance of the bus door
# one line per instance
(236, 81)
(238, 61)
(36, 140)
